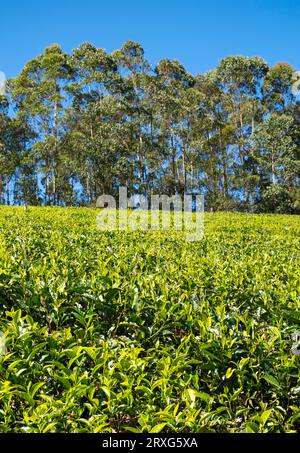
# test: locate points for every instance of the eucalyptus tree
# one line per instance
(39, 95)
(14, 136)
(277, 87)
(133, 67)
(276, 148)
(242, 78)
(172, 108)
(278, 140)
(212, 136)
(7, 156)
(94, 119)
(294, 185)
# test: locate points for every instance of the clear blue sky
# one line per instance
(198, 33)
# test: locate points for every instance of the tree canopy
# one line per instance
(75, 126)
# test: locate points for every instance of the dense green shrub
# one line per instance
(144, 331)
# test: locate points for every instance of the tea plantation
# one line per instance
(145, 331)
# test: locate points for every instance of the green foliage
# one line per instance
(144, 331)
(279, 199)
(87, 122)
